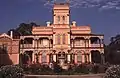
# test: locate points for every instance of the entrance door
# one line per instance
(61, 58)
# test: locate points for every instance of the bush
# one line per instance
(57, 69)
(82, 69)
(37, 69)
(11, 71)
(113, 72)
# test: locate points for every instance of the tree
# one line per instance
(23, 29)
(112, 51)
(113, 72)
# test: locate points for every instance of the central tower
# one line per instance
(61, 13)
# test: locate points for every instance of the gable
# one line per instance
(5, 38)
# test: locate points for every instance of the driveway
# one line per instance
(65, 76)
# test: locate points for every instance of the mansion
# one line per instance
(59, 41)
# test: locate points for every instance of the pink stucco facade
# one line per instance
(9, 50)
(62, 41)
(59, 41)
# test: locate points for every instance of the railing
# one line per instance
(44, 46)
(80, 45)
(96, 45)
(90, 45)
(31, 46)
(26, 46)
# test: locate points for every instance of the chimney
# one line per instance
(74, 23)
(48, 23)
(11, 34)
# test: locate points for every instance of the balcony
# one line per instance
(96, 45)
(30, 46)
(26, 46)
(44, 46)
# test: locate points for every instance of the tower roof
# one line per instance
(61, 6)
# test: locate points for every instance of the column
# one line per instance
(90, 58)
(68, 58)
(54, 57)
(73, 42)
(83, 58)
(49, 43)
(54, 39)
(40, 58)
(75, 59)
(33, 57)
(33, 43)
(69, 38)
(89, 43)
(87, 59)
(48, 58)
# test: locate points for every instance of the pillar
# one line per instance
(75, 58)
(40, 58)
(33, 57)
(89, 43)
(48, 58)
(69, 38)
(54, 57)
(33, 45)
(68, 58)
(83, 58)
(90, 58)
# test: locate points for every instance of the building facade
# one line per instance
(59, 41)
(62, 42)
(9, 50)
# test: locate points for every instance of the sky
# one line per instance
(103, 17)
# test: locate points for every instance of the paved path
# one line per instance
(66, 76)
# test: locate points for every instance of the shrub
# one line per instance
(82, 69)
(57, 68)
(113, 72)
(37, 69)
(11, 71)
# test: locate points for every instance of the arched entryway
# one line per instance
(62, 58)
(26, 57)
(95, 56)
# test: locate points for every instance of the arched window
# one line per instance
(58, 38)
(58, 19)
(63, 19)
(63, 38)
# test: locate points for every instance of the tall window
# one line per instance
(63, 38)
(58, 19)
(63, 19)
(58, 38)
